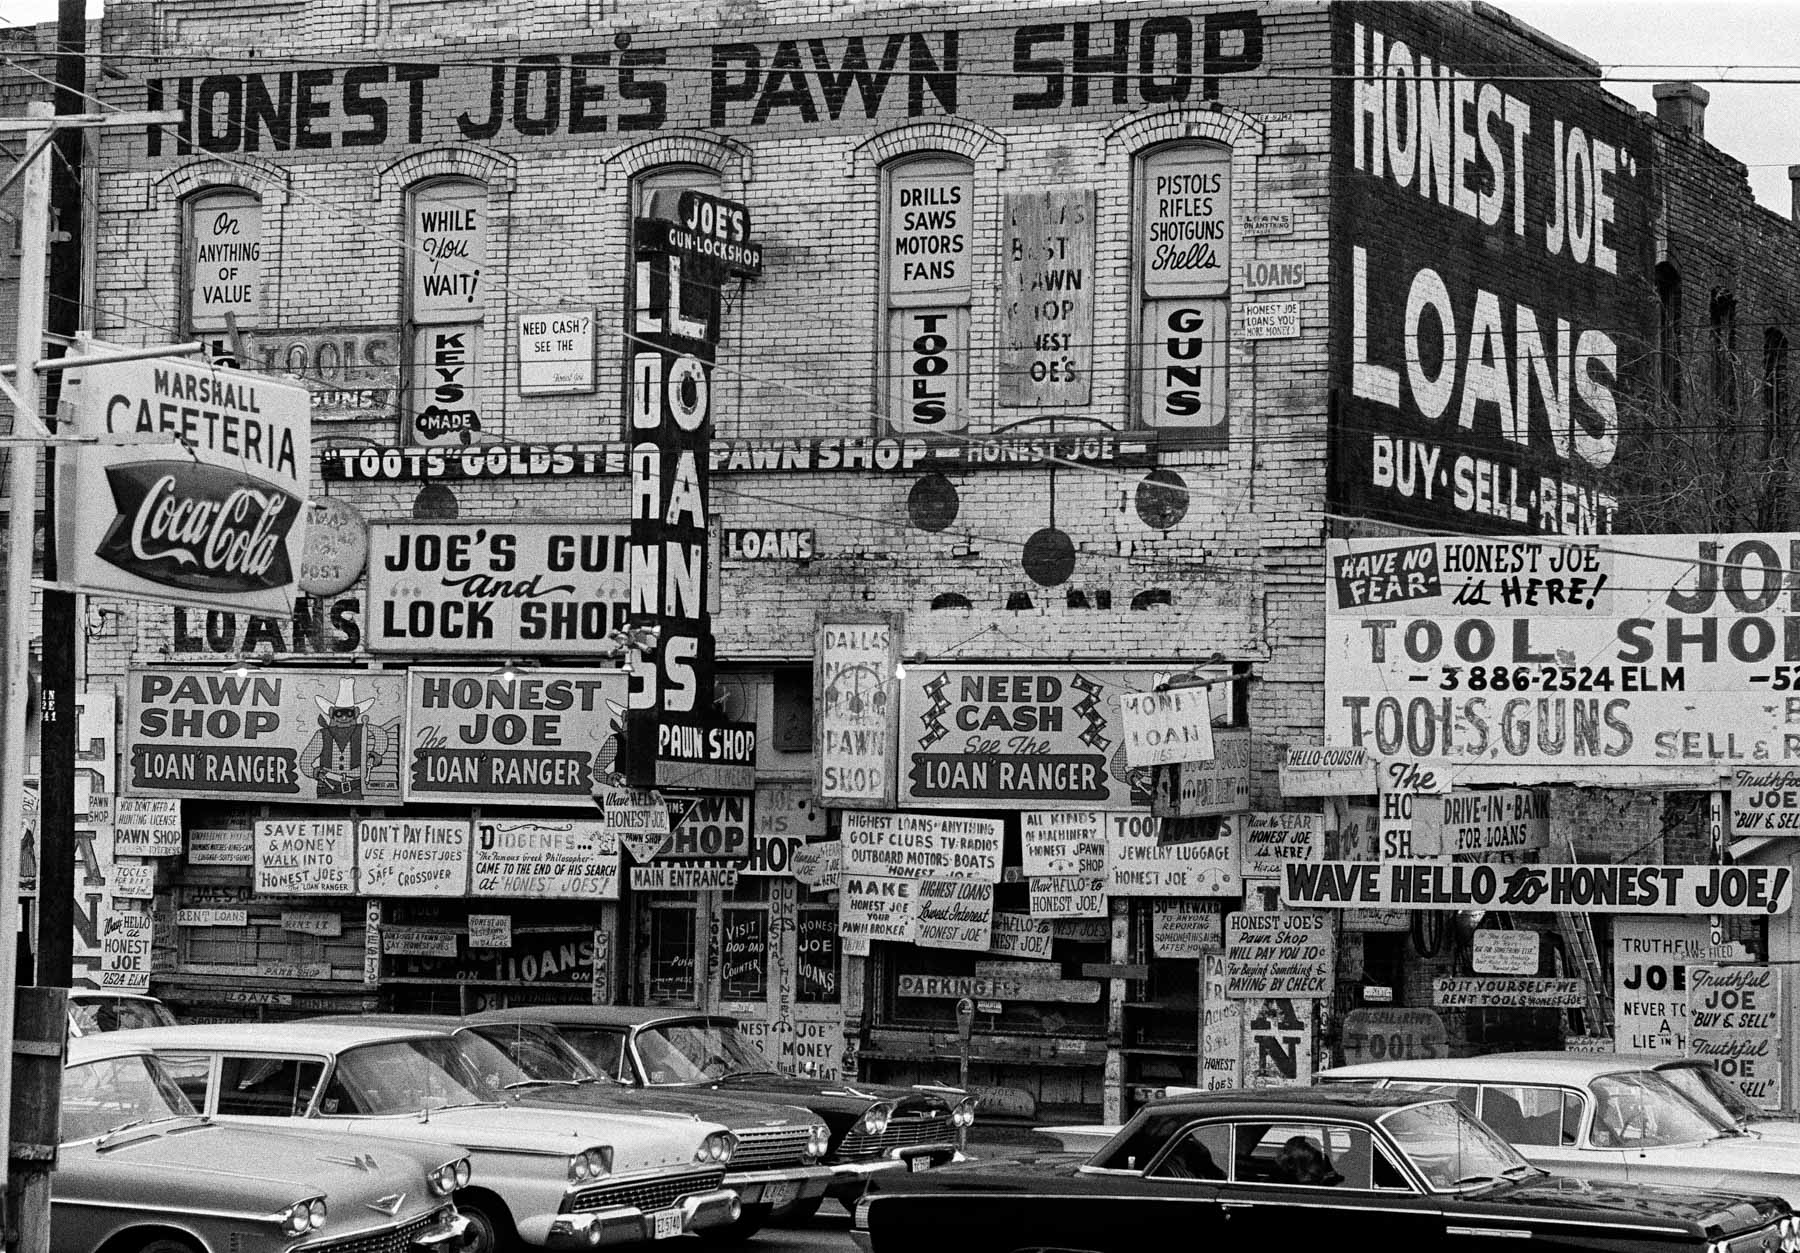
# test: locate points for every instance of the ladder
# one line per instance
(1578, 941)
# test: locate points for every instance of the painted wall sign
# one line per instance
(1734, 1022)
(334, 625)
(556, 352)
(571, 859)
(922, 846)
(1278, 1043)
(1187, 928)
(1047, 297)
(1062, 841)
(326, 923)
(1504, 952)
(515, 588)
(305, 857)
(1138, 865)
(317, 736)
(490, 931)
(1651, 960)
(226, 282)
(1270, 840)
(544, 737)
(762, 544)
(1675, 663)
(1191, 789)
(953, 913)
(147, 826)
(1019, 737)
(1765, 800)
(1491, 992)
(955, 987)
(1165, 727)
(349, 372)
(418, 942)
(1221, 1029)
(1067, 896)
(1271, 319)
(1186, 368)
(784, 820)
(1622, 889)
(215, 522)
(412, 857)
(875, 907)
(1471, 447)
(1313, 771)
(1020, 935)
(220, 846)
(1381, 1035)
(853, 673)
(1279, 954)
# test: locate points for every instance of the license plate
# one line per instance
(668, 1223)
(778, 1194)
(917, 1164)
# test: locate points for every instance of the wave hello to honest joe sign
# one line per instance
(1556, 888)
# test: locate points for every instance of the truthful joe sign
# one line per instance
(214, 520)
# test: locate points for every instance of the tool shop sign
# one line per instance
(516, 588)
(1001, 737)
(535, 737)
(313, 736)
(214, 517)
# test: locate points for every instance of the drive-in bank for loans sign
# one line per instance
(1648, 659)
(212, 518)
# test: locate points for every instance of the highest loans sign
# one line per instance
(1644, 658)
(213, 518)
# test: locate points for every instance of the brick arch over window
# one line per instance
(971, 141)
(1240, 132)
(498, 170)
(267, 182)
(726, 157)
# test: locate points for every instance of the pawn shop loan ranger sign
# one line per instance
(211, 518)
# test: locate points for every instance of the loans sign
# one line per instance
(214, 520)
(1609, 889)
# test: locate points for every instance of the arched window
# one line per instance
(223, 271)
(1722, 318)
(927, 260)
(446, 291)
(1184, 290)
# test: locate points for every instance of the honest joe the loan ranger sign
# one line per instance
(211, 518)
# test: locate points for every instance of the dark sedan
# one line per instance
(875, 1128)
(1304, 1168)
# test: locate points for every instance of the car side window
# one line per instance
(340, 1098)
(1386, 1173)
(604, 1050)
(190, 1071)
(1464, 1094)
(1198, 1153)
(1300, 1154)
(1523, 1115)
(272, 1087)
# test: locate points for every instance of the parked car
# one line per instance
(552, 1178)
(138, 1171)
(1699, 1081)
(1596, 1116)
(875, 1128)
(780, 1149)
(94, 1010)
(1303, 1168)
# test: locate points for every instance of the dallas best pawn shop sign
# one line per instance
(212, 517)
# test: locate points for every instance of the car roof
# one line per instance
(104, 1044)
(595, 1015)
(109, 994)
(1542, 1066)
(437, 1023)
(1368, 1103)
(299, 1036)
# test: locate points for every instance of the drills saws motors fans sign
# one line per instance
(674, 738)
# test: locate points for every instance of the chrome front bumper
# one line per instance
(850, 1178)
(782, 1186)
(445, 1234)
(626, 1224)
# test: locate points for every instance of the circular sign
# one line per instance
(1049, 557)
(932, 503)
(1384, 1035)
(337, 547)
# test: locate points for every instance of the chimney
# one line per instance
(1794, 186)
(1682, 107)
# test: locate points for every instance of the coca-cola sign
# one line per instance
(208, 487)
(198, 527)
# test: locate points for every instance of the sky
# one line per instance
(1720, 44)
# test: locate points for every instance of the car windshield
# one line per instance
(1712, 1092)
(116, 1092)
(1451, 1149)
(1638, 1109)
(535, 1051)
(120, 1013)
(404, 1076)
(696, 1052)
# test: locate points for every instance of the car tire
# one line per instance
(166, 1244)
(490, 1231)
(752, 1220)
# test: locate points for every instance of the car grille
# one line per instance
(383, 1240)
(904, 1130)
(645, 1194)
(769, 1146)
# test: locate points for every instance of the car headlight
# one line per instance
(302, 1217)
(964, 1113)
(448, 1177)
(715, 1149)
(1790, 1234)
(875, 1119)
(590, 1164)
(818, 1144)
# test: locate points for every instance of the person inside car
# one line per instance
(1303, 1161)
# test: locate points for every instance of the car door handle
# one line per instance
(1498, 1233)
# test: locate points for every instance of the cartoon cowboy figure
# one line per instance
(345, 747)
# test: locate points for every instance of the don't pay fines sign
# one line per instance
(1542, 888)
